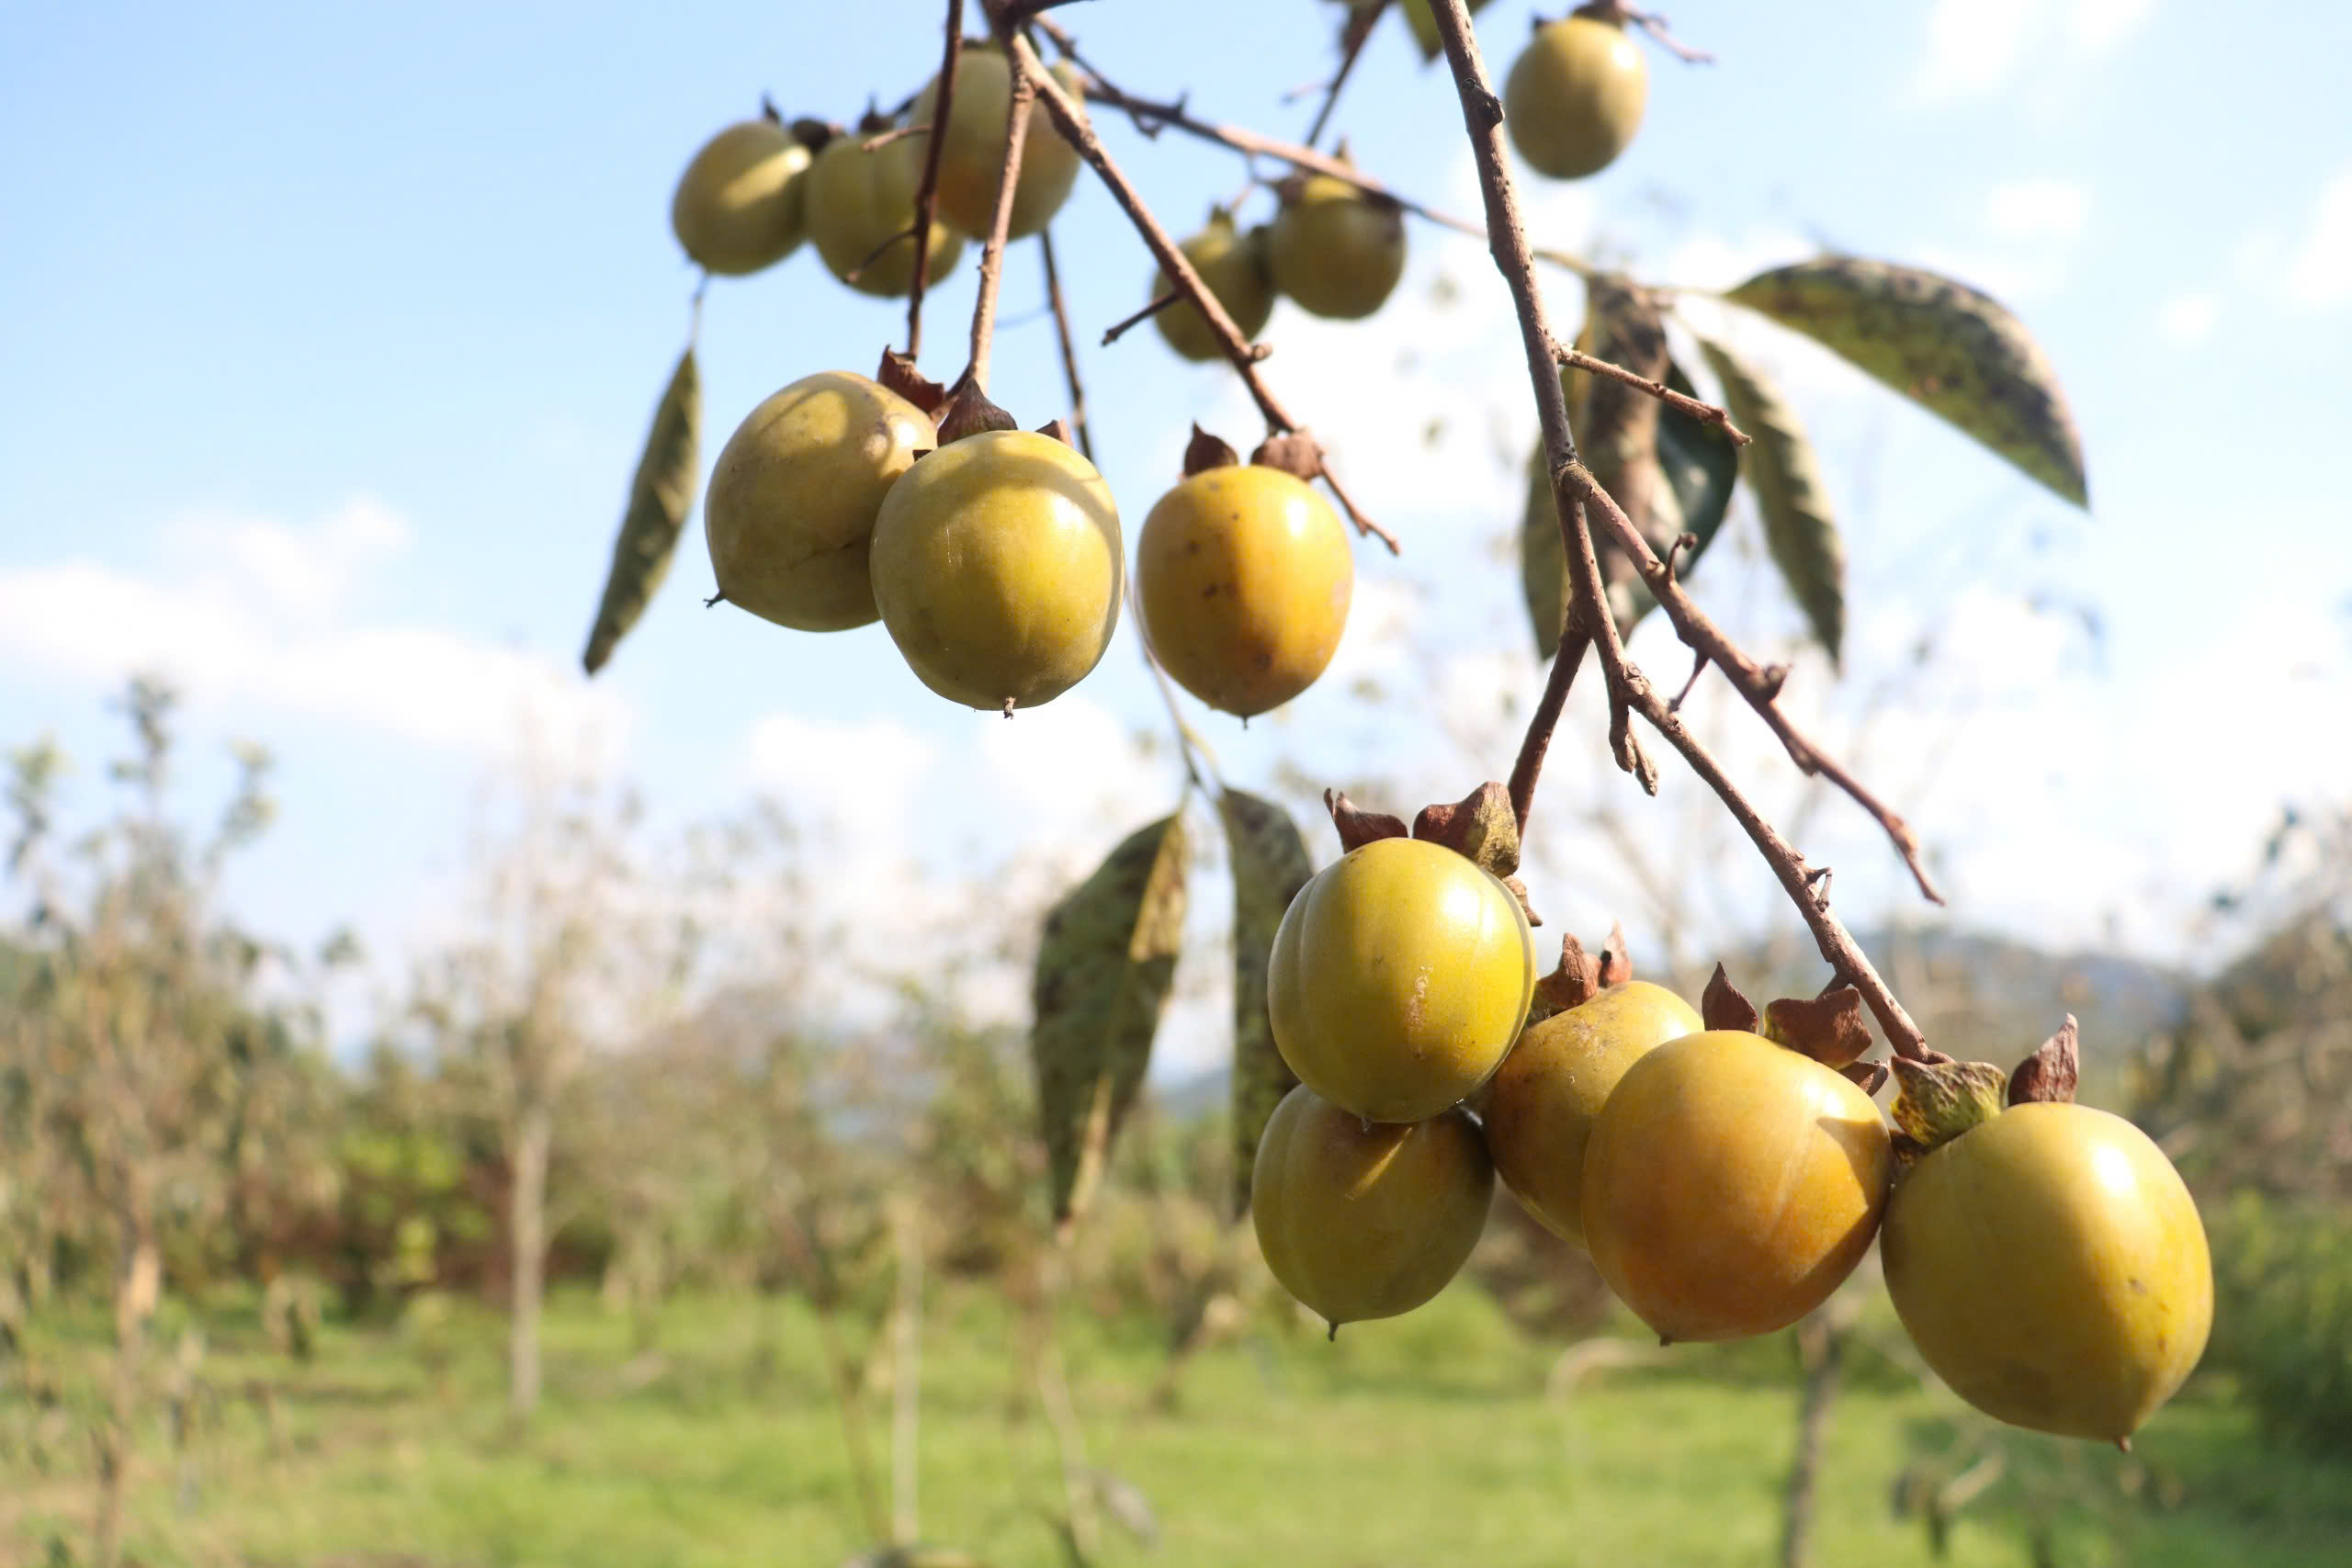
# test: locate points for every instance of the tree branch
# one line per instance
(1573, 491)
(1173, 264)
(1008, 185)
(1360, 22)
(927, 192)
(1578, 359)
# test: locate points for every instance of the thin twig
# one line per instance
(1543, 722)
(1252, 144)
(1187, 740)
(942, 103)
(1575, 491)
(1361, 21)
(1008, 185)
(896, 133)
(1173, 264)
(1577, 359)
(1119, 329)
(1654, 24)
(1068, 343)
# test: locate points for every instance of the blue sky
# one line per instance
(327, 335)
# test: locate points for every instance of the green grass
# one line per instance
(1426, 1440)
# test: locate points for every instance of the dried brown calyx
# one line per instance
(1480, 827)
(970, 412)
(1829, 1028)
(898, 374)
(1295, 452)
(1204, 452)
(1580, 976)
(1941, 1100)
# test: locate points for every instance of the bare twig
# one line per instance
(1252, 144)
(942, 103)
(1542, 723)
(896, 133)
(1361, 21)
(1173, 264)
(1577, 359)
(1654, 24)
(1068, 345)
(1008, 184)
(1574, 491)
(1120, 329)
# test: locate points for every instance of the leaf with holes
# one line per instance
(659, 499)
(1104, 965)
(1950, 349)
(1785, 478)
(1270, 865)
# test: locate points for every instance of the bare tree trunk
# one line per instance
(137, 1286)
(1821, 1339)
(526, 1220)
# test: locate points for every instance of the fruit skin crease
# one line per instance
(789, 516)
(1398, 978)
(1731, 1185)
(2052, 1269)
(997, 567)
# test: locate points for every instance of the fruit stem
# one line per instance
(1575, 492)
(1173, 264)
(1353, 36)
(1008, 185)
(927, 192)
(1068, 345)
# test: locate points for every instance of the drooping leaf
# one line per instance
(659, 499)
(1542, 557)
(1785, 478)
(1701, 466)
(1104, 963)
(1952, 349)
(1270, 865)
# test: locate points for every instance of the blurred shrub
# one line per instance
(2282, 1316)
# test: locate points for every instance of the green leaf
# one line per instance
(1542, 557)
(1701, 466)
(1785, 477)
(1270, 865)
(1952, 350)
(1104, 965)
(659, 499)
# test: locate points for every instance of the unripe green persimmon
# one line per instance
(998, 567)
(1540, 1105)
(1362, 1221)
(2051, 1267)
(1244, 575)
(1400, 975)
(1335, 250)
(858, 200)
(738, 207)
(1731, 1184)
(1233, 264)
(789, 516)
(1575, 96)
(971, 160)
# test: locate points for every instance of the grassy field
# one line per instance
(1426, 1440)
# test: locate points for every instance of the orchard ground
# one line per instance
(1426, 1439)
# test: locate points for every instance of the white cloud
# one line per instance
(2037, 210)
(2319, 267)
(1972, 45)
(255, 612)
(1979, 47)
(2100, 25)
(2188, 319)
(857, 777)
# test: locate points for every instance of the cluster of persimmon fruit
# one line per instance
(993, 557)
(1726, 1171)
